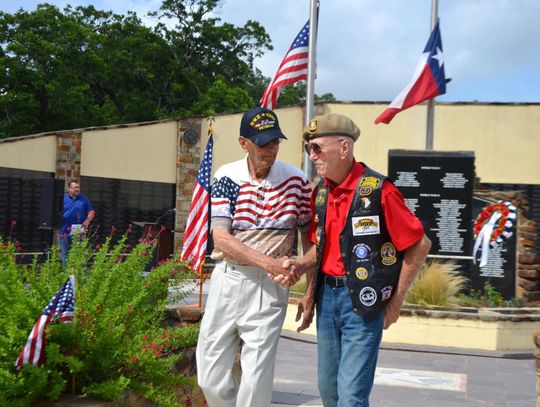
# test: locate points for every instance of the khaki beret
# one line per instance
(330, 124)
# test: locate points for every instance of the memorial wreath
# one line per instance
(503, 215)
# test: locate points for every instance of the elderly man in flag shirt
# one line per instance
(258, 204)
(368, 249)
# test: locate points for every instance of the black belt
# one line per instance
(334, 281)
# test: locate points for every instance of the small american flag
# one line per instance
(293, 68)
(60, 308)
(196, 235)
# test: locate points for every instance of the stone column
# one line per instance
(188, 159)
(68, 156)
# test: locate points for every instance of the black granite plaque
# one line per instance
(438, 187)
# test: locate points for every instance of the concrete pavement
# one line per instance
(433, 377)
(406, 376)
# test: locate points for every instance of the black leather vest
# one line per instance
(372, 262)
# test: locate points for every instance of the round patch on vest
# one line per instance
(361, 273)
(368, 296)
(365, 191)
(386, 292)
(365, 202)
(388, 254)
(361, 250)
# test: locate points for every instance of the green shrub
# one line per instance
(115, 341)
(437, 284)
(487, 297)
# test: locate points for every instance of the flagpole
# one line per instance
(431, 103)
(313, 15)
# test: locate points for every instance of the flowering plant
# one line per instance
(116, 340)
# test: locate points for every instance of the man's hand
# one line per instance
(392, 311)
(85, 226)
(306, 307)
(283, 272)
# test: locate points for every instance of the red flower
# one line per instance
(134, 360)
(13, 222)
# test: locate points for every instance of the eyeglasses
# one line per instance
(315, 148)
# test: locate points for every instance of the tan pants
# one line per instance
(243, 305)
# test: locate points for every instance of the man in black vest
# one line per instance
(368, 249)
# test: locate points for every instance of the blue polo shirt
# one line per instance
(75, 211)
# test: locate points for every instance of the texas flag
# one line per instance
(427, 82)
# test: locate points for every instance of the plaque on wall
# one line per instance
(438, 188)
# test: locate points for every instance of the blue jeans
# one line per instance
(65, 244)
(347, 349)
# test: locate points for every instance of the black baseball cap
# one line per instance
(261, 126)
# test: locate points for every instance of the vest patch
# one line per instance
(365, 191)
(366, 225)
(321, 197)
(388, 254)
(361, 251)
(361, 273)
(368, 296)
(365, 202)
(386, 292)
(370, 182)
(318, 233)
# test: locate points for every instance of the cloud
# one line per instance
(367, 49)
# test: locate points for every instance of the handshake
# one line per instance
(285, 271)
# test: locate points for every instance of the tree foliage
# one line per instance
(80, 67)
(83, 67)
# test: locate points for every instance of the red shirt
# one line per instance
(404, 228)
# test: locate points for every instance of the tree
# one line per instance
(84, 67)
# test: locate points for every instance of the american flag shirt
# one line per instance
(265, 215)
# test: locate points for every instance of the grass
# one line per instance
(437, 284)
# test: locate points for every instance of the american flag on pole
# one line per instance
(196, 235)
(293, 68)
(60, 308)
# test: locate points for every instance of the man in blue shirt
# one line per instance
(78, 213)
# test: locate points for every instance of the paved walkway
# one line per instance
(411, 376)
(419, 378)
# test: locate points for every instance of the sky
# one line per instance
(367, 49)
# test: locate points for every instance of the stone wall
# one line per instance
(528, 263)
(68, 156)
